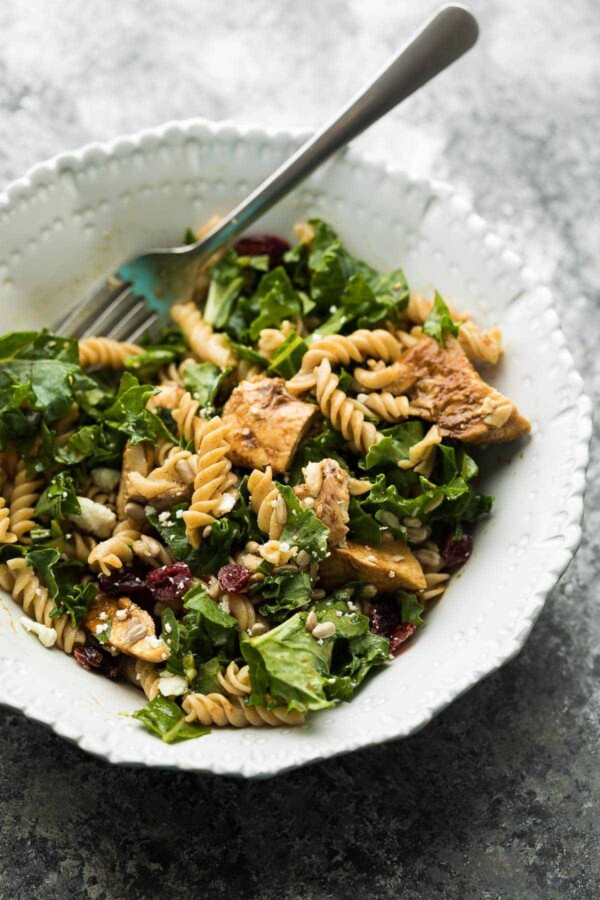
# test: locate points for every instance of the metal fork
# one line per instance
(130, 302)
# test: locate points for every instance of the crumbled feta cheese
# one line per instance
(103, 616)
(106, 479)
(46, 636)
(179, 514)
(164, 517)
(171, 685)
(102, 629)
(168, 628)
(150, 510)
(154, 641)
(121, 614)
(339, 612)
(95, 518)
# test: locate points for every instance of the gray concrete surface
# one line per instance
(499, 796)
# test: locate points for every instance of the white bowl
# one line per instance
(74, 218)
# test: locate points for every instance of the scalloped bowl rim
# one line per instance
(96, 153)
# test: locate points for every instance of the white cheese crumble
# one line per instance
(95, 518)
(106, 479)
(46, 636)
(171, 685)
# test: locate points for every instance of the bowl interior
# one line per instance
(77, 218)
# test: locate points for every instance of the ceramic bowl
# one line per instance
(74, 218)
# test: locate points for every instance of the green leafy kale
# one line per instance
(204, 632)
(276, 299)
(167, 720)
(288, 666)
(203, 381)
(129, 415)
(59, 499)
(355, 294)
(394, 445)
(302, 528)
(288, 358)
(75, 601)
(438, 323)
(411, 608)
(231, 276)
(284, 594)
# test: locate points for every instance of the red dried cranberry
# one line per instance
(88, 657)
(385, 617)
(456, 553)
(401, 634)
(168, 584)
(127, 582)
(234, 578)
(263, 245)
(92, 659)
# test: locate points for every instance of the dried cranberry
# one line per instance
(234, 578)
(169, 583)
(93, 659)
(385, 617)
(127, 582)
(456, 553)
(401, 634)
(263, 245)
(88, 657)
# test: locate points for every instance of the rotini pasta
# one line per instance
(143, 675)
(200, 336)
(215, 709)
(235, 681)
(105, 352)
(117, 551)
(190, 423)
(342, 412)
(386, 406)
(25, 494)
(27, 590)
(421, 454)
(213, 472)
(344, 350)
(6, 535)
(267, 503)
(243, 611)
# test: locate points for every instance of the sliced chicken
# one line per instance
(325, 491)
(446, 389)
(127, 627)
(389, 568)
(266, 423)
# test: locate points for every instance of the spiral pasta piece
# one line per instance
(267, 502)
(28, 591)
(6, 535)
(480, 346)
(421, 455)
(105, 352)
(190, 423)
(271, 339)
(152, 552)
(342, 350)
(143, 675)
(215, 709)
(378, 378)
(25, 494)
(343, 412)
(80, 545)
(243, 611)
(201, 338)
(386, 406)
(117, 551)
(178, 470)
(209, 484)
(235, 681)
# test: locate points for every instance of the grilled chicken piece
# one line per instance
(444, 387)
(136, 458)
(129, 628)
(325, 490)
(266, 423)
(389, 568)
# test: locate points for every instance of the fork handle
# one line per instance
(443, 39)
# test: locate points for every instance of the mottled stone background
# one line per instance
(498, 797)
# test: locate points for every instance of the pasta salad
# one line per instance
(251, 509)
